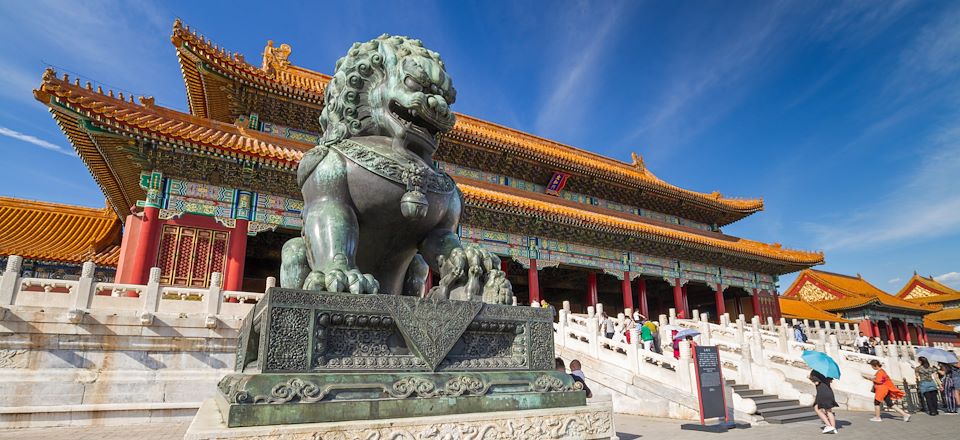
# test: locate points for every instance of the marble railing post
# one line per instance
(833, 346)
(783, 337)
(696, 315)
(633, 355)
(9, 280)
(593, 332)
(662, 330)
(599, 309)
(892, 366)
(561, 339)
(566, 306)
(756, 341)
(705, 336)
(213, 298)
(672, 313)
(683, 367)
(84, 292)
(271, 283)
(725, 320)
(151, 298)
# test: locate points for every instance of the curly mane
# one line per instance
(353, 91)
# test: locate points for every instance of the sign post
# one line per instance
(710, 392)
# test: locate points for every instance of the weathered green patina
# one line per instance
(376, 209)
(327, 346)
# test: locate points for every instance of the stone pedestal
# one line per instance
(313, 357)
(593, 421)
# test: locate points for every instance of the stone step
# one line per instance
(775, 404)
(785, 410)
(791, 418)
(764, 398)
(748, 392)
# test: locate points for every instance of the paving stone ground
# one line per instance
(854, 425)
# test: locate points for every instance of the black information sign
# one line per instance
(710, 383)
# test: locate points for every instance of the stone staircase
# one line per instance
(772, 408)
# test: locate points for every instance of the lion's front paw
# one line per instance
(337, 280)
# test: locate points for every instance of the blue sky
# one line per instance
(843, 116)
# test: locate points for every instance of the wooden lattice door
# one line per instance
(189, 255)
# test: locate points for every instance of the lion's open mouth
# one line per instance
(416, 120)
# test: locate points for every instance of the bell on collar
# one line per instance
(414, 205)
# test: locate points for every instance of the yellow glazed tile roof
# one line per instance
(169, 125)
(305, 82)
(952, 314)
(795, 309)
(856, 292)
(926, 290)
(55, 232)
(932, 324)
(483, 194)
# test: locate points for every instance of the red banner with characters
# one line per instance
(557, 182)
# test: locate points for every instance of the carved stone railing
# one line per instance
(86, 294)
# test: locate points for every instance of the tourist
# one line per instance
(655, 331)
(798, 334)
(872, 349)
(637, 316)
(607, 325)
(863, 344)
(676, 344)
(628, 324)
(618, 330)
(575, 371)
(562, 368)
(951, 395)
(825, 402)
(646, 336)
(885, 392)
(927, 383)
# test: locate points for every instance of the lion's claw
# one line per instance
(341, 281)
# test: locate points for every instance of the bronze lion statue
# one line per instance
(377, 212)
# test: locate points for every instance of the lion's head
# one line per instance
(389, 86)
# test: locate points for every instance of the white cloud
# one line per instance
(894, 280)
(951, 279)
(4, 131)
(582, 45)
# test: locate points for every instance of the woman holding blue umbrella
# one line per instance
(825, 369)
(825, 401)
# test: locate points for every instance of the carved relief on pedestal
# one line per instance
(810, 292)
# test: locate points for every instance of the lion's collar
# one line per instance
(412, 173)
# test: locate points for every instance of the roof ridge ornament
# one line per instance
(276, 59)
(637, 162)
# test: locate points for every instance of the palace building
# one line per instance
(215, 191)
(915, 315)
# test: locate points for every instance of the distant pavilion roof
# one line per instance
(926, 290)
(198, 56)
(792, 308)
(937, 326)
(60, 233)
(835, 292)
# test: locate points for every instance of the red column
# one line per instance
(721, 307)
(678, 299)
(867, 328)
(876, 328)
(686, 302)
(504, 265)
(147, 246)
(906, 333)
(533, 281)
(591, 288)
(736, 303)
(236, 254)
(890, 335)
(428, 283)
(756, 304)
(923, 336)
(627, 291)
(642, 297)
